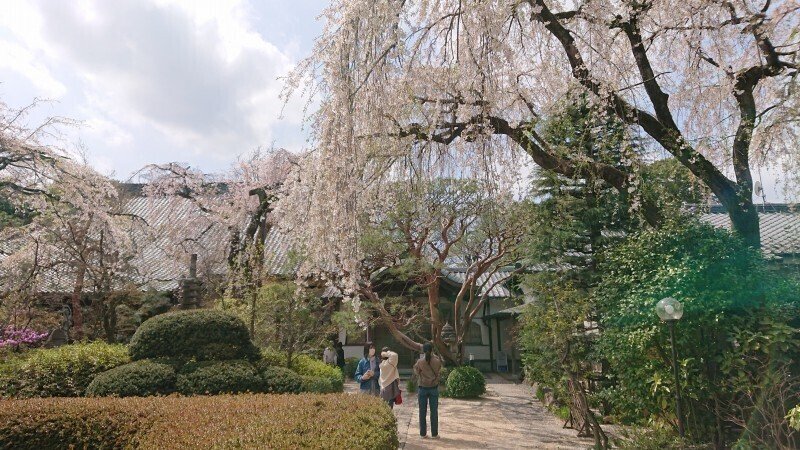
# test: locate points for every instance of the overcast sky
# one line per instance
(159, 80)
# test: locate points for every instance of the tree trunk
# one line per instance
(77, 311)
(436, 321)
(745, 223)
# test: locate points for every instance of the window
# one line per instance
(474, 335)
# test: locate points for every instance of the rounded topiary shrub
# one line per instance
(137, 379)
(466, 382)
(280, 380)
(219, 377)
(199, 334)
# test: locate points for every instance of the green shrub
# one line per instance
(136, 379)
(652, 439)
(737, 335)
(350, 366)
(466, 382)
(444, 374)
(218, 377)
(273, 357)
(280, 380)
(64, 371)
(174, 422)
(200, 334)
(308, 366)
(411, 386)
(319, 385)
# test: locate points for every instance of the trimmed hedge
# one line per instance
(310, 367)
(218, 377)
(64, 371)
(319, 385)
(196, 334)
(466, 382)
(137, 379)
(280, 380)
(241, 421)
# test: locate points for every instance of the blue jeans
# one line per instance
(426, 395)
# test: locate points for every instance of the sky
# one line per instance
(154, 81)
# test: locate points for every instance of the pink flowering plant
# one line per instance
(13, 338)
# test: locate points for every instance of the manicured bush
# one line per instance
(319, 385)
(139, 379)
(64, 371)
(466, 382)
(280, 380)
(273, 357)
(217, 377)
(308, 366)
(241, 421)
(200, 334)
(350, 366)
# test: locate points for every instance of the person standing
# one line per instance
(427, 370)
(339, 348)
(389, 379)
(329, 356)
(368, 371)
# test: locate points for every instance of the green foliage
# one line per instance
(272, 357)
(319, 385)
(137, 379)
(551, 348)
(739, 325)
(310, 367)
(218, 377)
(466, 382)
(639, 438)
(670, 186)
(200, 334)
(173, 422)
(280, 380)
(350, 366)
(64, 371)
(284, 317)
(411, 385)
(794, 417)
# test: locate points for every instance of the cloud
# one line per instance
(190, 79)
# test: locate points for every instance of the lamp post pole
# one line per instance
(670, 310)
(678, 411)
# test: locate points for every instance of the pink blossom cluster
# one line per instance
(15, 337)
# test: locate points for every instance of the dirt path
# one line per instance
(507, 417)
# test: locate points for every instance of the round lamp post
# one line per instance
(670, 310)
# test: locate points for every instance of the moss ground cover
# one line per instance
(241, 421)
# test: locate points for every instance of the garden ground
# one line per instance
(507, 416)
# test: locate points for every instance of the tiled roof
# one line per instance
(780, 231)
(492, 282)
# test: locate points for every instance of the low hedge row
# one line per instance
(163, 376)
(241, 421)
(64, 371)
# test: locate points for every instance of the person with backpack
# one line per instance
(427, 370)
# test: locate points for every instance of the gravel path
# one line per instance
(507, 417)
